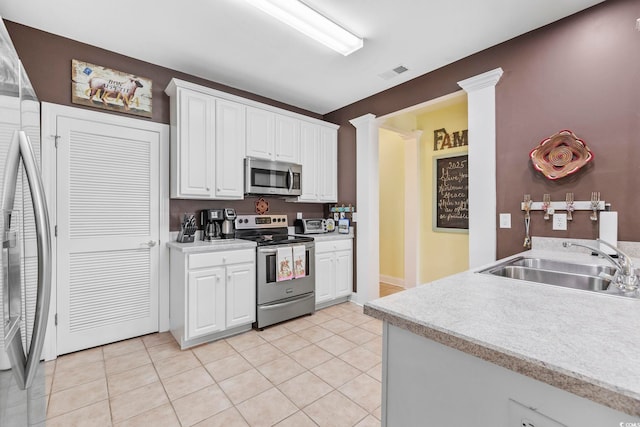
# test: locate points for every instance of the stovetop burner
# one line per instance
(266, 230)
(274, 239)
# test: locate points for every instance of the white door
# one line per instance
(230, 148)
(344, 273)
(107, 232)
(260, 134)
(309, 141)
(287, 139)
(328, 172)
(195, 133)
(241, 294)
(325, 277)
(205, 302)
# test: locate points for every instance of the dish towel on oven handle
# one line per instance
(284, 263)
(299, 261)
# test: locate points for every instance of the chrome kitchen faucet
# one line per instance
(625, 277)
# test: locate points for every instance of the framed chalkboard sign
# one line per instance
(451, 193)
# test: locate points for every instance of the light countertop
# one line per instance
(327, 237)
(212, 245)
(583, 342)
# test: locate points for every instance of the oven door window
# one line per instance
(267, 178)
(271, 267)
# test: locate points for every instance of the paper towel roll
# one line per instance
(608, 230)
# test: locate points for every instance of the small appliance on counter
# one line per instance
(331, 225)
(311, 226)
(343, 226)
(212, 220)
(228, 230)
(188, 228)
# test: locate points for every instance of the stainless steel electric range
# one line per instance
(279, 300)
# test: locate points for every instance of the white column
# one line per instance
(412, 203)
(482, 166)
(368, 195)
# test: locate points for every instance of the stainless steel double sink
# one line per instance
(586, 277)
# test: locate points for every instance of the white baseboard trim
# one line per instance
(396, 281)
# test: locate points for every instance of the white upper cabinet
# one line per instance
(260, 133)
(328, 173)
(287, 140)
(309, 149)
(229, 149)
(192, 120)
(212, 132)
(319, 159)
(272, 136)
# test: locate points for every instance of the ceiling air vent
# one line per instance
(387, 75)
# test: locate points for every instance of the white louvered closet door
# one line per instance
(108, 230)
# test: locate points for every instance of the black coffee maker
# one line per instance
(211, 220)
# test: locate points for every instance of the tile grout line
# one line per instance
(338, 314)
(233, 405)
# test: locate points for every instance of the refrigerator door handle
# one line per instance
(25, 365)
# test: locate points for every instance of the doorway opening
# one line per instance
(480, 91)
(412, 250)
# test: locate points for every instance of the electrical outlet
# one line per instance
(560, 221)
(522, 416)
(298, 215)
(354, 217)
(505, 220)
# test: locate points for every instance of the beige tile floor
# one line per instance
(319, 370)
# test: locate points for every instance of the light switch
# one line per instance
(560, 221)
(505, 220)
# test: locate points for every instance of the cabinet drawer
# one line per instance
(212, 259)
(333, 245)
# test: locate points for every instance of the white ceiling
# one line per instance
(232, 43)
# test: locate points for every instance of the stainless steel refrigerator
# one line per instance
(25, 278)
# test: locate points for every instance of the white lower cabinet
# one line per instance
(334, 271)
(241, 294)
(213, 295)
(205, 302)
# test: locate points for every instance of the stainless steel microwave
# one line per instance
(272, 178)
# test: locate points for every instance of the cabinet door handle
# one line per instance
(224, 260)
(150, 243)
(208, 189)
(217, 278)
(229, 278)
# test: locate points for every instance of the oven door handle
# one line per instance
(267, 251)
(272, 250)
(288, 302)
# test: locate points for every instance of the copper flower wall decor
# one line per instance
(560, 155)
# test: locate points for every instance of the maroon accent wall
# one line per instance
(47, 59)
(581, 73)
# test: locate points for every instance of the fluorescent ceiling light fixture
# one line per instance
(309, 22)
